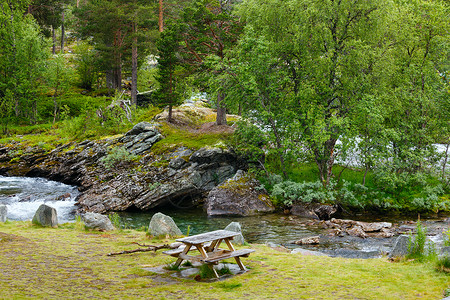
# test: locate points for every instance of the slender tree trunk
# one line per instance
(62, 33)
(444, 164)
(134, 67)
(324, 157)
(53, 40)
(161, 16)
(221, 118)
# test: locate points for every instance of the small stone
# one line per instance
(312, 240)
(357, 231)
(162, 225)
(236, 227)
(45, 216)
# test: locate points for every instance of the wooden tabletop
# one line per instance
(207, 237)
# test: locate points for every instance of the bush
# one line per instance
(118, 155)
(443, 264)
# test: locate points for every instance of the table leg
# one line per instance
(237, 258)
(205, 255)
(185, 251)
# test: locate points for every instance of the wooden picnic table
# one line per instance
(207, 244)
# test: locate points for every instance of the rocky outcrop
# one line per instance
(46, 216)
(180, 178)
(241, 195)
(162, 225)
(312, 240)
(3, 213)
(97, 222)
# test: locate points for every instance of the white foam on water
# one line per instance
(23, 196)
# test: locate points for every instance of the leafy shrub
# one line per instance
(116, 156)
(289, 192)
(115, 220)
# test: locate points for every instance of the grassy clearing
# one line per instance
(70, 263)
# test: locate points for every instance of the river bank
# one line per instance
(69, 262)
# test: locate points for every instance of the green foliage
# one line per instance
(85, 61)
(115, 220)
(416, 245)
(205, 271)
(225, 270)
(172, 267)
(117, 156)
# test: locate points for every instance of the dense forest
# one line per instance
(340, 101)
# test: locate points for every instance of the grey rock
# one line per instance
(46, 216)
(358, 254)
(375, 226)
(240, 195)
(313, 211)
(357, 231)
(400, 247)
(236, 227)
(207, 156)
(97, 221)
(162, 225)
(445, 251)
(177, 163)
(3, 213)
(141, 127)
(307, 252)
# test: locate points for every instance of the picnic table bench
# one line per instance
(208, 245)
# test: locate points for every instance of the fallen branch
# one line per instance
(149, 248)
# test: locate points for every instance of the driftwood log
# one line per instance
(148, 248)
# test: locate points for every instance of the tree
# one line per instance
(211, 29)
(22, 61)
(170, 70)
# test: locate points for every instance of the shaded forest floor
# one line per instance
(71, 263)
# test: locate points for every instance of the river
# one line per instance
(23, 196)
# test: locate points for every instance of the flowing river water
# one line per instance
(23, 196)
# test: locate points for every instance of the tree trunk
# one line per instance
(161, 16)
(221, 118)
(62, 32)
(324, 157)
(53, 40)
(134, 67)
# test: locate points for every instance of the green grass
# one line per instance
(69, 263)
(175, 138)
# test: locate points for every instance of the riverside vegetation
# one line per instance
(70, 262)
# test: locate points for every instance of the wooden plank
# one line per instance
(208, 236)
(191, 258)
(237, 253)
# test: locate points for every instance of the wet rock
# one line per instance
(313, 211)
(357, 231)
(3, 213)
(236, 227)
(162, 225)
(63, 197)
(97, 221)
(312, 240)
(375, 226)
(46, 216)
(400, 247)
(241, 195)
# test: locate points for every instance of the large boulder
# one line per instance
(400, 247)
(236, 227)
(97, 222)
(162, 225)
(241, 195)
(141, 138)
(3, 213)
(46, 216)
